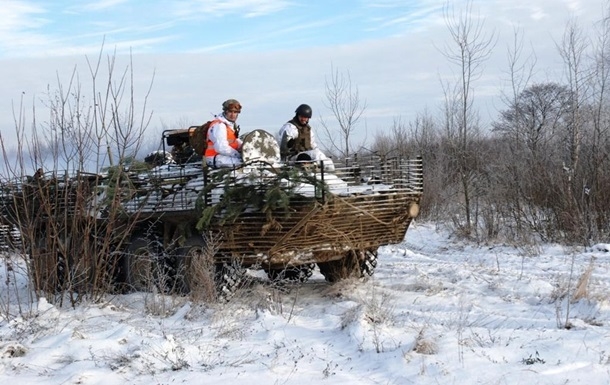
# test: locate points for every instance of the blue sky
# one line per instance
(272, 55)
(53, 27)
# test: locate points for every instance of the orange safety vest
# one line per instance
(231, 138)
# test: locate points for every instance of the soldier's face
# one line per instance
(303, 120)
(231, 115)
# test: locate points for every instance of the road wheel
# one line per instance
(355, 264)
(199, 275)
(50, 272)
(229, 276)
(195, 269)
(142, 268)
(291, 273)
(346, 267)
(50, 268)
(368, 262)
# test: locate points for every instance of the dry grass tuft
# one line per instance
(582, 286)
(424, 345)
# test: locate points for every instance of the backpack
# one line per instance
(198, 137)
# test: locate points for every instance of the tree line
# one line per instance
(541, 169)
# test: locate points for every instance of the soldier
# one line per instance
(297, 139)
(223, 143)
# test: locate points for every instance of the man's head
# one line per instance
(303, 113)
(231, 109)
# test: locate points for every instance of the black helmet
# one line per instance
(303, 110)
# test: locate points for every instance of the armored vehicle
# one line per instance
(174, 221)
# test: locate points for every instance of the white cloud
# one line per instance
(18, 15)
(99, 5)
(574, 5)
(20, 22)
(537, 14)
(200, 9)
(400, 12)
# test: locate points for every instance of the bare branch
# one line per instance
(343, 99)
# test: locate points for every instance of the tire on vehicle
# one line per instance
(195, 269)
(300, 273)
(354, 264)
(201, 276)
(49, 265)
(141, 266)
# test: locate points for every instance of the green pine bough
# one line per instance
(273, 195)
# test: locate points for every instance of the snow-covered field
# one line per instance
(437, 311)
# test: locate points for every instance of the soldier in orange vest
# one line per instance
(224, 146)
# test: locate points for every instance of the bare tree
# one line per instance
(529, 131)
(114, 118)
(534, 121)
(468, 49)
(573, 50)
(520, 71)
(343, 99)
(383, 143)
(597, 197)
(510, 161)
(58, 192)
(392, 142)
(520, 68)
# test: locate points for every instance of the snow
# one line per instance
(436, 311)
(184, 195)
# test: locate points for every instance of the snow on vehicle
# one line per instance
(177, 217)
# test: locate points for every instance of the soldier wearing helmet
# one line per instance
(296, 136)
(224, 146)
(297, 139)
